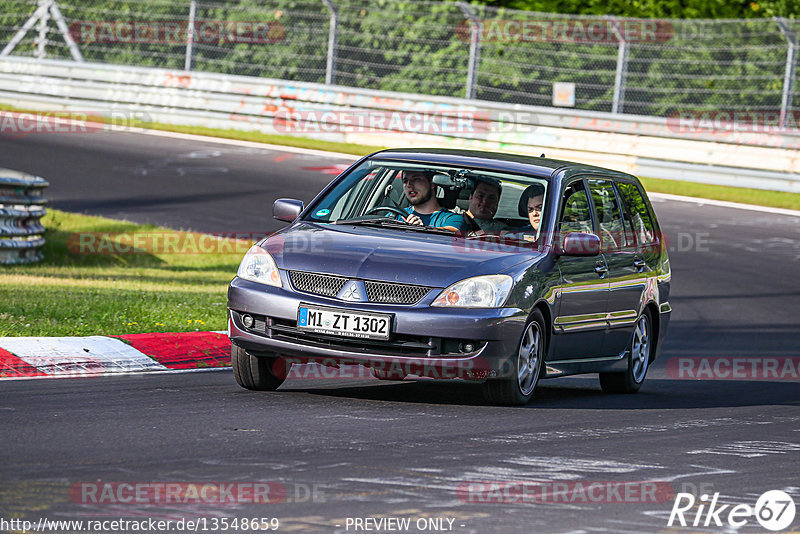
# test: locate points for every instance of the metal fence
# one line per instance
(455, 49)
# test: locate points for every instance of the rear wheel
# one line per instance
(252, 372)
(518, 388)
(640, 348)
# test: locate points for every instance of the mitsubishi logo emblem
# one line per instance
(354, 291)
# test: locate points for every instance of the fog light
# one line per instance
(247, 321)
(466, 347)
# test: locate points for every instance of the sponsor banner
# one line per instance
(212, 32)
(563, 30)
(778, 368)
(565, 491)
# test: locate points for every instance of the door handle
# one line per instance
(601, 270)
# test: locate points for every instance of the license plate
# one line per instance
(344, 322)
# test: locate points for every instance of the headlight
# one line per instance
(478, 292)
(258, 266)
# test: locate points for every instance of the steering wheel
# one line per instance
(392, 209)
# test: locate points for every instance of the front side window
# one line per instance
(576, 215)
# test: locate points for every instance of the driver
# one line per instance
(425, 209)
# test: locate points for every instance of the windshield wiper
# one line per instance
(394, 223)
(361, 220)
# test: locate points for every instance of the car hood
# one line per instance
(389, 255)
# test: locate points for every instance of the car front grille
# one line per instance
(318, 284)
(378, 292)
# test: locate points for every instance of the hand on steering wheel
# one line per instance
(391, 209)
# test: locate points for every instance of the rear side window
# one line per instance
(640, 216)
(609, 214)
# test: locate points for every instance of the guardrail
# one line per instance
(649, 146)
(21, 230)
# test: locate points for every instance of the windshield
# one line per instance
(472, 203)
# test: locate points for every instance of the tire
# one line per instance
(252, 372)
(526, 367)
(641, 349)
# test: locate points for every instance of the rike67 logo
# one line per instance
(774, 510)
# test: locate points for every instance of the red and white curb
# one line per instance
(30, 357)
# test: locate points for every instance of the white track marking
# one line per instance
(250, 144)
(750, 449)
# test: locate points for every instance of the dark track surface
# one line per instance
(402, 449)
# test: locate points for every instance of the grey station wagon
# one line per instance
(498, 268)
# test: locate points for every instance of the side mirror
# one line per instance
(581, 244)
(287, 209)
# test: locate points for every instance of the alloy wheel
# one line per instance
(528, 359)
(640, 349)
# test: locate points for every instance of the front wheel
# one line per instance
(252, 372)
(527, 365)
(640, 348)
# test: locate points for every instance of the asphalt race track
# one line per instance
(336, 450)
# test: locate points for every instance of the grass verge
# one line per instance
(743, 195)
(775, 199)
(72, 294)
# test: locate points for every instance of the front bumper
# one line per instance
(664, 315)
(422, 337)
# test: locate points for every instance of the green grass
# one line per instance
(273, 139)
(743, 195)
(69, 294)
(760, 197)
